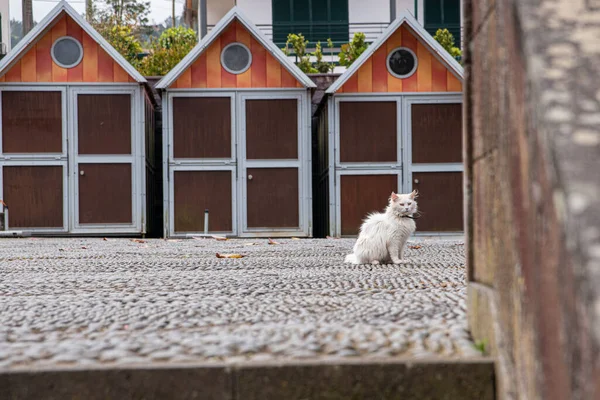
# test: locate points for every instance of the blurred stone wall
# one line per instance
(532, 162)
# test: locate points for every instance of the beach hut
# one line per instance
(392, 122)
(236, 127)
(72, 130)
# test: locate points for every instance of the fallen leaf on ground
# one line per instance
(229, 255)
(295, 238)
(250, 244)
(105, 239)
(220, 238)
(83, 247)
(271, 241)
(138, 240)
(329, 237)
(415, 247)
(173, 240)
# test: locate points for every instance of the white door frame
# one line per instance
(136, 159)
(302, 163)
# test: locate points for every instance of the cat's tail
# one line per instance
(351, 258)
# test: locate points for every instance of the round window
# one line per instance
(67, 52)
(402, 62)
(236, 58)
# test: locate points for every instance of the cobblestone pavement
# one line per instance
(91, 301)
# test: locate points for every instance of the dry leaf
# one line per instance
(415, 247)
(229, 255)
(250, 244)
(295, 238)
(173, 240)
(138, 240)
(220, 238)
(83, 247)
(271, 241)
(105, 239)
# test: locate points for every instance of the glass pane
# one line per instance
(67, 51)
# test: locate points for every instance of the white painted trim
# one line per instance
(49, 163)
(412, 71)
(70, 39)
(338, 191)
(166, 182)
(196, 161)
(302, 163)
(38, 156)
(247, 65)
(441, 167)
(403, 18)
(208, 168)
(39, 29)
(234, 13)
(331, 164)
(136, 159)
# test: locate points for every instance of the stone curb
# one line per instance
(289, 380)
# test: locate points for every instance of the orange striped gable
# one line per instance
(264, 72)
(431, 75)
(37, 65)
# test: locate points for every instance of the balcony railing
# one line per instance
(340, 33)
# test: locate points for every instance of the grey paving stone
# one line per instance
(118, 301)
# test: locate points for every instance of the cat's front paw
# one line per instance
(396, 261)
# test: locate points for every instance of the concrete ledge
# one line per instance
(388, 379)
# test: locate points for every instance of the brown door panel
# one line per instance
(440, 201)
(436, 133)
(273, 198)
(195, 191)
(34, 195)
(105, 193)
(361, 195)
(272, 129)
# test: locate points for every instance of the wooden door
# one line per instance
(436, 136)
(103, 161)
(271, 164)
(201, 163)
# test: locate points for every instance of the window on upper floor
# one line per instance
(440, 14)
(317, 20)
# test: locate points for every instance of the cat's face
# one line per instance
(404, 204)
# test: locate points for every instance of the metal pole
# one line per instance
(173, 16)
(392, 10)
(206, 221)
(88, 10)
(27, 6)
(203, 23)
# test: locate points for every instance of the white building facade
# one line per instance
(338, 19)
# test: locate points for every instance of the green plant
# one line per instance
(167, 51)
(320, 65)
(351, 51)
(123, 40)
(481, 346)
(446, 39)
(298, 44)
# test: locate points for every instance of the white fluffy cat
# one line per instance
(383, 236)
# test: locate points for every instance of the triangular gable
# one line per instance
(202, 68)
(436, 70)
(31, 61)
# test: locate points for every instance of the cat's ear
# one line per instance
(394, 196)
(414, 194)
